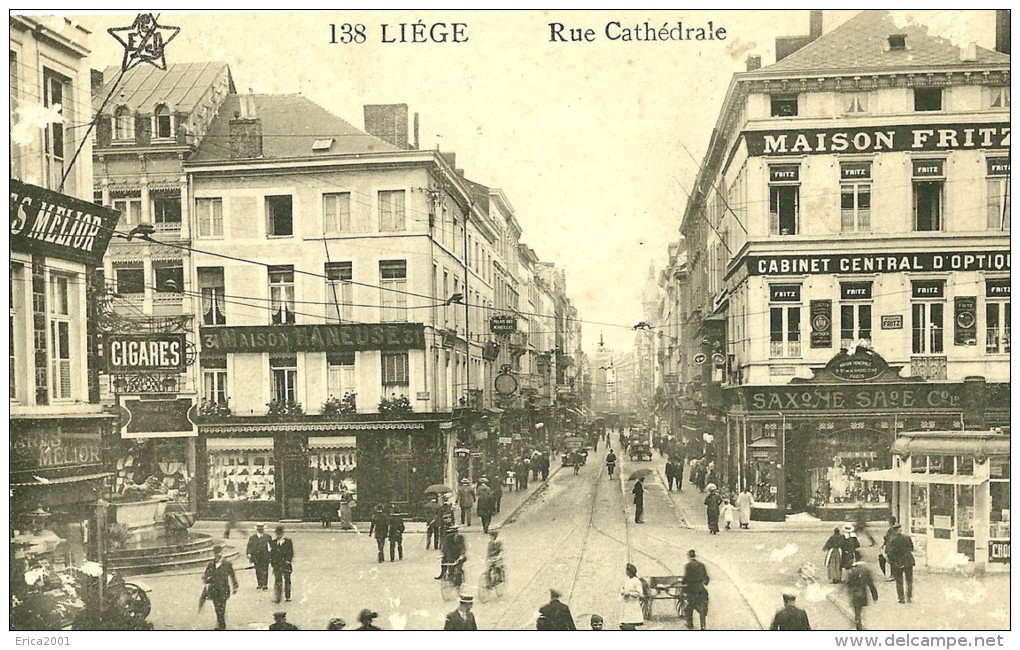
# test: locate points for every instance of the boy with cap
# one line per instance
(461, 619)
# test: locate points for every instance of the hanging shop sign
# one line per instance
(915, 137)
(56, 225)
(157, 418)
(821, 323)
(502, 324)
(824, 264)
(965, 320)
(55, 447)
(151, 352)
(700, 358)
(388, 337)
(505, 384)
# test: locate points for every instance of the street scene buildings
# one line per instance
(233, 309)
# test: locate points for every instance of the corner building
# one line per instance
(851, 225)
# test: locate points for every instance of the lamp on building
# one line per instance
(457, 298)
(142, 231)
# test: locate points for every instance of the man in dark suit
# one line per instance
(670, 473)
(555, 615)
(462, 618)
(859, 584)
(899, 549)
(280, 622)
(281, 558)
(220, 583)
(694, 582)
(485, 504)
(790, 617)
(379, 529)
(395, 532)
(454, 552)
(639, 500)
(258, 554)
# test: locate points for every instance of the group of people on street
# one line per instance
(219, 581)
(387, 524)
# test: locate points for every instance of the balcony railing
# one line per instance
(929, 367)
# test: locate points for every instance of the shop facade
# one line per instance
(808, 446)
(950, 490)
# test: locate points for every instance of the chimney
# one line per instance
(245, 131)
(450, 158)
(816, 24)
(1002, 30)
(417, 142)
(787, 45)
(388, 122)
(753, 62)
(969, 53)
(97, 80)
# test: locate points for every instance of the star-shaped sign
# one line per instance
(144, 41)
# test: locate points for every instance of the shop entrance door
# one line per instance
(795, 472)
(292, 475)
(941, 525)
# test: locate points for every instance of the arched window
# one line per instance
(123, 124)
(162, 122)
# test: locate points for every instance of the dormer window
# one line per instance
(123, 124)
(898, 42)
(927, 99)
(162, 123)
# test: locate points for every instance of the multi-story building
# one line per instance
(149, 121)
(58, 237)
(848, 253)
(668, 379)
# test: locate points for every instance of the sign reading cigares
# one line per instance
(145, 353)
(387, 337)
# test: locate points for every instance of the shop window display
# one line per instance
(164, 462)
(837, 484)
(242, 476)
(918, 508)
(331, 474)
(999, 498)
(763, 487)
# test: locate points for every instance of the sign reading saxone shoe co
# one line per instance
(387, 337)
(53, 224)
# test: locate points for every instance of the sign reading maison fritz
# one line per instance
(926, 137)
(388, 337)
(877, 263)
(60, 226)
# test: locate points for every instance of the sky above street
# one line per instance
(594, 143)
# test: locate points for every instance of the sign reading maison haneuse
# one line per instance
(388, 337)
(53, 224)
(917, 137)
(819, 264)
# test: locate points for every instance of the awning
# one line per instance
(239, 444)
(899, 476)
(951, 443)
(333, 442)
(763, 443)
(63, 481)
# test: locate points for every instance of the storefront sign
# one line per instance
(44, 449)
(504, 440)
(784, 173)
(823, 264)
(928, 288)
(388, 337)
(700, 358)
(861, 366)
(502, 324)
(997, 288)
(145, 353)
(821, 323)
(998, 167)
(998, 551)
(929, 168)
(940, 137)
(892, 321)
(56, 225)
(855, 291)
(505, 384)
(854, 171)
(784, 293)
(965, 320)
(786, 399)
(157, 418)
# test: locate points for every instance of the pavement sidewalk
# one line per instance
(511, 504)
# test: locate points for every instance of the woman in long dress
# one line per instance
(632, 592)
(744, 503)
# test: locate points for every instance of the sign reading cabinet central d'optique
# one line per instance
(386, 337)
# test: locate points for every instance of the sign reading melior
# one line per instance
(390, 337)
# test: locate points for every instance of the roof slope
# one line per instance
(861, 44)
(181, 86)
(290, 125)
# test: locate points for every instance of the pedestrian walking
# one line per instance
(883, 558)
(597, 623)
(695, 582)
(486, 507)
(219, 582)
(611, 463)
(728, 510)
(713, 503)
(433, 524)
(379, 529)
(632, 591)
(670, 474)
(790, 617)
(639, 500)
(497, 493)
(465, 501)
(395, 533)
(849, 545)
(346, 520)
(367, 617)
(899, 550)
(833, 549)
(744, 503)
(280, 622)
(544, 465)
(861, 524)
(702, 474)
(860, 585)
(555, 615)
(281, 558)
(258, 551)
(232, 524)
(462, 619)
(523, 467)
